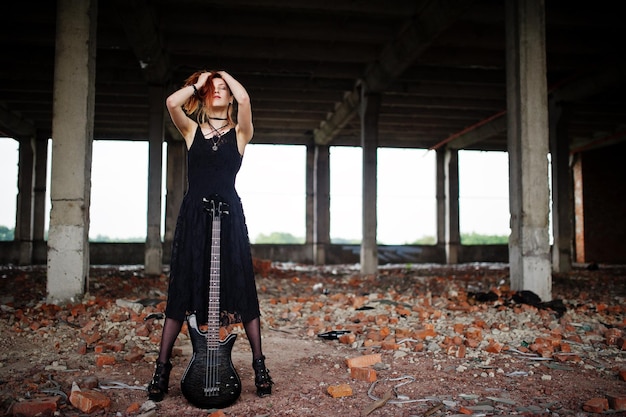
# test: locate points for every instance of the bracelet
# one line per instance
(195, 90)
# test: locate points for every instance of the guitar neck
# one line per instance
(213, 332)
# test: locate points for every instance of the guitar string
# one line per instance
(214, 334)
(211, 301)
(216, 220)
(208, 375)
(216, 292)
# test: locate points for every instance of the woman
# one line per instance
(212, 112)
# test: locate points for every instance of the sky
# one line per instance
(271, 184)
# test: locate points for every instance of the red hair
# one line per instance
(198, 103)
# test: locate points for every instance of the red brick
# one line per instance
(617, 402)
(494, 347)
(142, 331)
(480, 324)
(155, 337)
(545, 351)
(100, 348)
(390, 345)
(133, 408)
(364, 361)
(403, 333)
(419, 347)
(461, 351)
(89, 401)
(596, 405)
(91, 338)
(474, 333)
(363, 374)
(464, 410)
(314, 321)
(358, 302)
(472, 343)
(422, 314)
(102, 360)
(423, 334)
(561, 358)
(37, 407)
(373, 335)
(117, 346)
(89, 326)
(347, 339)
(118, 317)
(403, 311)
(384, 332)
(342, 390)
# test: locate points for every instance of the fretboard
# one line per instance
(213, 331)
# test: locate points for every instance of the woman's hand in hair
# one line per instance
(202, 79)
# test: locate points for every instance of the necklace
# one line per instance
(215, 136)
(217, 118)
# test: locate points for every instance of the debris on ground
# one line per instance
(412, 340)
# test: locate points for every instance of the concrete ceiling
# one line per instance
(438, 64)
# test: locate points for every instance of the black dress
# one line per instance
(211, 170)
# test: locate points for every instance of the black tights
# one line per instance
(171, 329)
(253, 331)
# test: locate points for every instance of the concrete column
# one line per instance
(41, 162)
(25, 197)
(154, 247)
(527, 129)
(579, 209)
(72, 133)
(562, 190)
(370, 109)
(310, 201)
(441, 196)
(39, 204)
(452, 231)
(176, 185)
(321, 239)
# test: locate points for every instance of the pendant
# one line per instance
(214, 147)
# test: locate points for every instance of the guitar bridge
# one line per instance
(211, 391)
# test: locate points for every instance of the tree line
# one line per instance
(283, 238)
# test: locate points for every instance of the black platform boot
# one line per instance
(262, 378)
(160, 381)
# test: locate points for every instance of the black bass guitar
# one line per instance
(210, 380)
